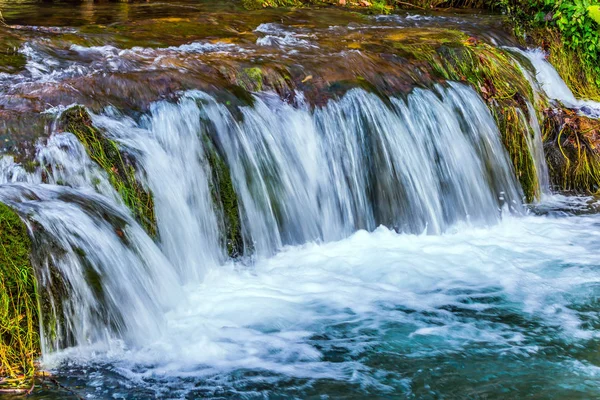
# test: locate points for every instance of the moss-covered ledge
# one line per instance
(19, 319)
(225, 200)
(119, 166)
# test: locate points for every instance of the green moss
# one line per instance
(121, 172)
(379, 7)
(258, 4)
(255, 76)
(19, 337)
(514, 126)
(225, 199)
(11, 61)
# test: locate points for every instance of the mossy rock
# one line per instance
(572, 144)
(259, 4)
(11, 61)
(19, 327)
(225, 200)
(514, 125)
(118, 165)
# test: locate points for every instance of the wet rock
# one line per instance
(572, 145)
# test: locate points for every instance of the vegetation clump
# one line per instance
(11, 61)
(258, 4)
(120, 170)
(19, 328)
(572, 150)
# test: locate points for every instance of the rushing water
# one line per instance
(388, 250)
(554, 87)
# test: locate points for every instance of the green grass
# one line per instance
(19, 328)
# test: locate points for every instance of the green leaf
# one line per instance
(594, 13)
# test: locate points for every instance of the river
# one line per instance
(385, 249)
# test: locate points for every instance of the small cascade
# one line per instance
(297, 202)
(536, 149)
(88, 240)
(418, 164)
(169, 149)
(415, 165)
(552, 85)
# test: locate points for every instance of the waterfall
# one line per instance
(417, 164)
(168, 142)
(552, 85)
(104, 257)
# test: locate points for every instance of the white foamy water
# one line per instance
(477, 291)
(281, 36)
(554, 87)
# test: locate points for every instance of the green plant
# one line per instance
(576, 21)
(580, 31)
(19, 337)
(380, 7)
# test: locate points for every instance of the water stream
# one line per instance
(388, 249)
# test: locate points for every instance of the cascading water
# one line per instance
(550, 82)
(105, 258)
(418, 165)
(357, 163)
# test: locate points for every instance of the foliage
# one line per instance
(579, 31)
(576, 21)
(380, 7)
(19, 336)
(594, 12)
(579, 76)
(121, 172)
